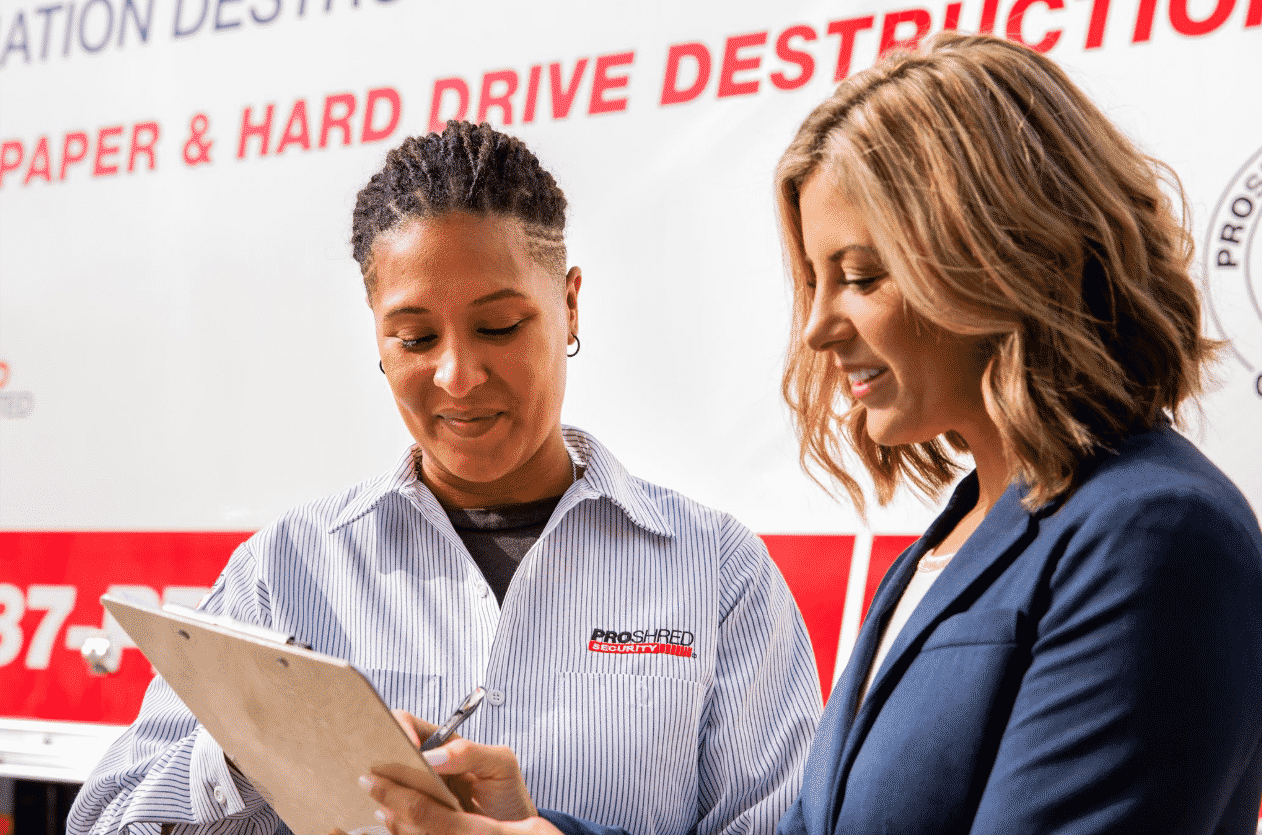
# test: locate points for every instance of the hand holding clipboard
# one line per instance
(300, 725)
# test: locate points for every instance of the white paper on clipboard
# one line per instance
(300, 725)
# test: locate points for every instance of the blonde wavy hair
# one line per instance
(1005, 205)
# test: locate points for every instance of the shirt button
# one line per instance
(221, 797)
(495, 697)
(484, 589)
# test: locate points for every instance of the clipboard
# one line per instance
(302, 726)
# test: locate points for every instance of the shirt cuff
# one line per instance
(213, 790)
(570, 825)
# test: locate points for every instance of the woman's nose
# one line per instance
(826, 325)
(459, 369)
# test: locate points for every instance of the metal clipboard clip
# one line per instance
(240, 627)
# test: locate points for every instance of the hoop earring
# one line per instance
(381, 367)
(577, 346)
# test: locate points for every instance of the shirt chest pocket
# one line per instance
(630, 736)
(617, 693)
(419, 694)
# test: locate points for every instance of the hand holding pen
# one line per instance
(487, 779)
(446, 729)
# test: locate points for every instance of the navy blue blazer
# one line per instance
(1093, 667)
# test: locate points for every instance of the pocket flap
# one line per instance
(987, 626)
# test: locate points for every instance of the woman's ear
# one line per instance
(573, 281)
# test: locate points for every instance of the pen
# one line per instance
(444, 732)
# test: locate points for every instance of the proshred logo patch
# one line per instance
(642, 642)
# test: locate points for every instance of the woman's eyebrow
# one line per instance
(848, 248)
(506, 293)
(412, 310)
(405, 311)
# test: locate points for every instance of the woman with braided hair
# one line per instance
(641, 653)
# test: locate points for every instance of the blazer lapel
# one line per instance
(846, 693)
(883, 603)
(1006, 525)
(839, 717)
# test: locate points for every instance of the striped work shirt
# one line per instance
(648, 666)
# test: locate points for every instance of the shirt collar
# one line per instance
(395, 480)
(603, 477)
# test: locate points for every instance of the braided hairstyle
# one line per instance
(470, 168)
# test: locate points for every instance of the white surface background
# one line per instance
(196, 339)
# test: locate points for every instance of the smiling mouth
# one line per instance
(861, 380)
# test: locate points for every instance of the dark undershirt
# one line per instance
(498, 537)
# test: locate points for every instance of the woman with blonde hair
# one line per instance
(982, 264)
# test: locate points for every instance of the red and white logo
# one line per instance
(642, 642)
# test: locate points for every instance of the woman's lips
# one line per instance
(863, 380)
(471, 425)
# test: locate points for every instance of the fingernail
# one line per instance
(436, 757)
(382, 815)
(365, 782)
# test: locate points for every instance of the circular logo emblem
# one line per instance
(1233, 267)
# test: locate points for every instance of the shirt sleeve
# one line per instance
(165, 768)
(1141, 708)
(765, 703)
